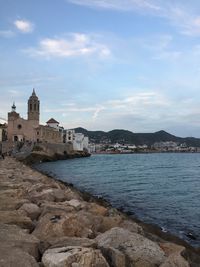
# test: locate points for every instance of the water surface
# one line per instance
(163, 189)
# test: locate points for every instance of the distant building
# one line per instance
(22, 130)
(53, 123)
(168, 145)
(78, 140)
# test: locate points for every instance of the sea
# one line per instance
(157, 188)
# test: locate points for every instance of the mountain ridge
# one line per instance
(127, 137)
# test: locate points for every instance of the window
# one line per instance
(19, 126)
(34, 106)
(30, 107)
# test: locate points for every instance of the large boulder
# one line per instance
(17, 217)
(32, 210)
(11, 203)
(131, 226)
(72, 241)
(139, 251)
(55, 207)
(75, 203)
(114, 257)
(13, 236)
(50, 226)
(73, 256)
(61, 223)
(15, 257)
(174, 253)
(97, 209)
(109, 222)
(47, 194)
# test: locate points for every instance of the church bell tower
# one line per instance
(34, 108)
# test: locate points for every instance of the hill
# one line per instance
(128, 137)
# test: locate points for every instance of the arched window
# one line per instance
(30, 107)
(34, 106)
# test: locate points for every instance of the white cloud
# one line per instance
(178, 13)
(6, 33)
(75, 44)
(24, 26)
(124, 5)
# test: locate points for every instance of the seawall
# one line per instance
(45, 222)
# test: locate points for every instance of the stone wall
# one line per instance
(52, 149)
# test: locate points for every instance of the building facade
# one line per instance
(30, 129)
(22, 130)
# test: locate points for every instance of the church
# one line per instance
(22, 130)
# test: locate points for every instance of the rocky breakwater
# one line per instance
(46, 223)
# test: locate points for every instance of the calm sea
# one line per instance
(163, 189)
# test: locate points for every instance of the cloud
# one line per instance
(183, 17)
(75, 44)
(7, 33)
(24, 26)
(124, 5)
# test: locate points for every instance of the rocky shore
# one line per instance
(44, 222)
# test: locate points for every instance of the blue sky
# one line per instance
(104, 64)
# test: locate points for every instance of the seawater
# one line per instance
(159, 188)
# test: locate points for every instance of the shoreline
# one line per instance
(57, 215)
(149, 227)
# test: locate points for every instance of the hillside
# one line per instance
(128, 137)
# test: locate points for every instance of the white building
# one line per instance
(53, 123)
(78, 140)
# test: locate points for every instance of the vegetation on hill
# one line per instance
(128, 137)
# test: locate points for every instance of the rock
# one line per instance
(53, 208)
(15, 257)
(13, 236)
(18, 218)
(73, 241)
(75, 203)
(97, 209)
(114, 257)
(73, 256)
(81, 224)
(32, 210)
(72, 194)
(50, 226)
(109, 222)
(131, 226)
(175, 258)
(140, 251)
(59, 224)
(50, 194)
(11, 203)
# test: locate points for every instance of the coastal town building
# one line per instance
(30, 129)
(78, 140)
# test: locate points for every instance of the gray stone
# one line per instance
(114, 257)
(55, 207)
(140, 251)
(15, 257)
(75, 203)
(17, 217)
(175, 259)
(72, 241)
(32, 210)
(73, 256)
(13, 236)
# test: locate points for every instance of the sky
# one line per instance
(104, 64)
